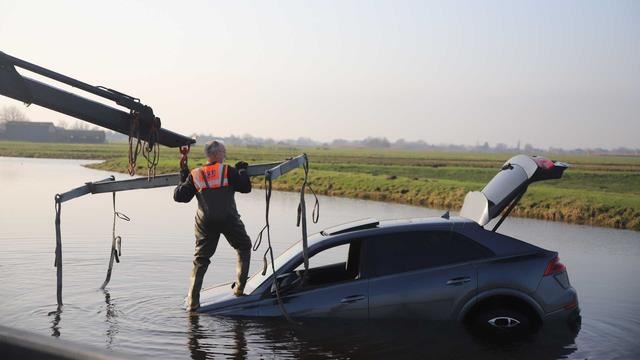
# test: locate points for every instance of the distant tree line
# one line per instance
(13, 113)
(402, 144)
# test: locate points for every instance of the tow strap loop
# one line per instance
(267, 227)
(116, 242)
(315, 215)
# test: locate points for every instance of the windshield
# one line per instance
(257, 279)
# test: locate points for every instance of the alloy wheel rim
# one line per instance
(504, 322)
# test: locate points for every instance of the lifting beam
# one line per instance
(270, 170)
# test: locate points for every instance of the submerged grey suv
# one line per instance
(447, 268)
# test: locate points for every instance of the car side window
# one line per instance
(333, 265)
(408, 251)
(335, 255)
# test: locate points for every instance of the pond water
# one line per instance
(140, 313)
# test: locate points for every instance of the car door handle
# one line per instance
(351, 299)
(458, 281)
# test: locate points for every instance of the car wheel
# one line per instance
(502, 322)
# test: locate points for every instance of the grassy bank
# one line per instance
(596, 190)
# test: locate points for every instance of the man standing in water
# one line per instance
(214, 185)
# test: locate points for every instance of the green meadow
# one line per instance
(597, 190)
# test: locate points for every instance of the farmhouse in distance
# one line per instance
(48, 132)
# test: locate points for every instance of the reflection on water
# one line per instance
(196, 337)
(140, 311)
(111, 318)
(57, 316)
(347, 339)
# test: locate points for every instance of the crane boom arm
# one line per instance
(30, 91)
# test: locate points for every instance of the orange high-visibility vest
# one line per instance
(210, 176)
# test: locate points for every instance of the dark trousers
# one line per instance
(207, 237)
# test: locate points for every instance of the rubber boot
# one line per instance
(242, 271)
(197, 276)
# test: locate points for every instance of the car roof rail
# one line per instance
(351, 226)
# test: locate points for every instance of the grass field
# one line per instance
(596, 190)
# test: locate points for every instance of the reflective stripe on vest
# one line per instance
(211, 176)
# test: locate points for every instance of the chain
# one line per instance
(184, 159)
(134, 138)
(150, 149)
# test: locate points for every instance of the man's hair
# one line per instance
(213, 147)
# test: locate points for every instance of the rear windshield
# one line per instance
(504, 183)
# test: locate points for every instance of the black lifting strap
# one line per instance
(301, 220)
(302, 216)
(116, 242)
(269, 251)
(266, 228)
(58, 261)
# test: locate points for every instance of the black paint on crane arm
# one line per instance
(30, 91)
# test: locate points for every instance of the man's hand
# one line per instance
(184, 174)
(241, 166)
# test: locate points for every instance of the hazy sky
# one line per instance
(552, 73)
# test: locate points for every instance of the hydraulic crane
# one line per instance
(143, 128)
(30, 91)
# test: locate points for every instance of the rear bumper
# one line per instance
(556, 294)
(568, 317)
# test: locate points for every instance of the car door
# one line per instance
(343, 298)
(421, 275)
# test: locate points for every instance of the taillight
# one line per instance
(554, 267)
(572, 305)
(543, 163)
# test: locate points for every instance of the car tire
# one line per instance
(502, 323)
